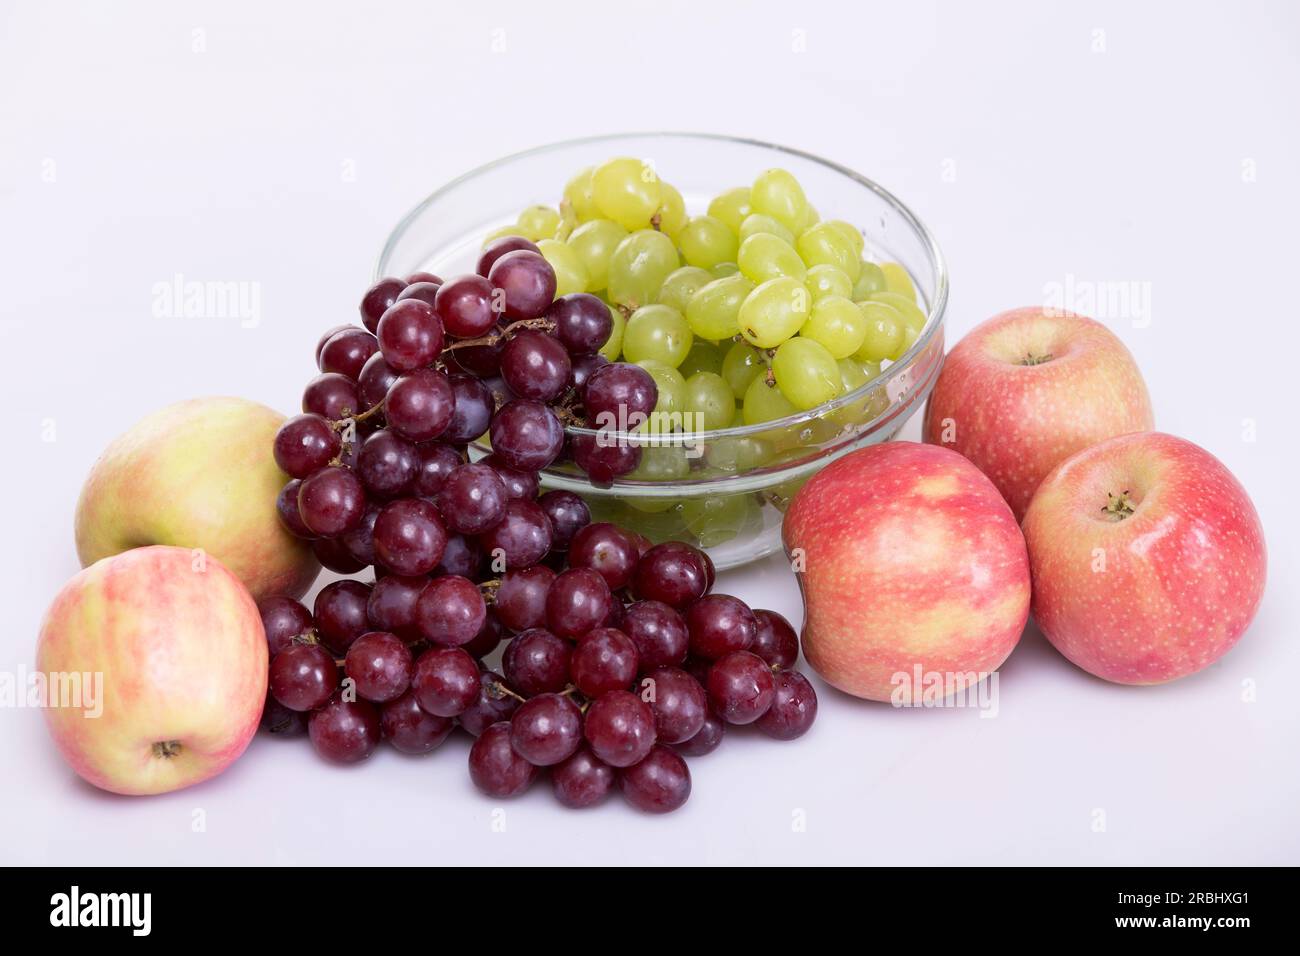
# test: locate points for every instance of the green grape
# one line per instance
(778, 194)
(737, 455)
(764, 256)
(595, 241)
(657, 333)
(568, 222)
(850, 232)
(731, 207)
(538, 222)
(912, 315)
(639, 266)
(724, 269)
(806, 373)
(828, 280)
(658, 463)
(671, 212)
(613, 346)
(773, 312)
(570, 273)
(706, 241)
(579, 197)
(852, 375)
(681, 285)
(711, 400)
(719, 518)
(757, 222)
(909, 336)
(897, 280)
(764, 403)
(704, 356)
(500, 233)
(665, 525)
(809, 219)
(741, 365)
(837, 324)
(713, 310)
(823, 244)
(884, 338)
(627, 191)
(870, 280)
(667, 414)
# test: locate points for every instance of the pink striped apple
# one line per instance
(178, 645)
(1148, 558)
(908, 557)
(1028, 388)
(198, 474)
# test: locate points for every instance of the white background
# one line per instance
(1152, 143)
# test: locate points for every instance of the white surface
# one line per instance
(128, 157)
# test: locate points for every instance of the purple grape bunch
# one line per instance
(617, 662)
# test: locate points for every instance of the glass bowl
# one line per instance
(726, 489)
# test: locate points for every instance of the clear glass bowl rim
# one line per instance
(937, 304)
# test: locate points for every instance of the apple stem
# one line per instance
(1032, 359)
(166, 749)
(1118, 506)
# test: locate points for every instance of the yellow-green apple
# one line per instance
(908, 557)
(1148, 558)
(1026, 389)
(198, 474)
(174, 643)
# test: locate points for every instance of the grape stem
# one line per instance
(497, 335)
(496, 690)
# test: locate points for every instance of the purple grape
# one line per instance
(582, 780)
(279, 721)
(376, 378)
(327, 335)
(495, 768)
(498, 248)
(519, 484)
(492, 705)
(659, 784)
(473, 498)
(340, 613)
(420, 277)
(582, 322)
(410, 335)
(546, 729)
(419, 405)
(332, 396)
(461, 557)
(775, 640)
(286, 505)
(521, 598)
(521, 538)
(526, 435)
(435, 462)
(794, 707)
(378, 299)
(679, 703)
(658, 632)
(465, 305)
(302, 676)
(569, 514)
(720, 624)
(380, 665)
(283, 619)
(537, 662)
(487, 638)
(423, 290)
(305, 444)
(577, 602)
(450, 610)
(335, 555)
(345, 731)
(391, 605)
(387, 464)
(584, 366)
(671, 572)
(446, 681)
(620, 728)
(535, 365)
(409, 536)
(358, 545)
(473, 409)
(740, 687)
(331, 502)
(604, 659)
(708, 738)
(527, 281)
(604, 458)
(608, 549)
(619, 396)
(346, 352)
(410, 728)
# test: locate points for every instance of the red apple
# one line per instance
(1148, 558)
(1026, 389)
(198, 474)
(178, 645)
(907, 556)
